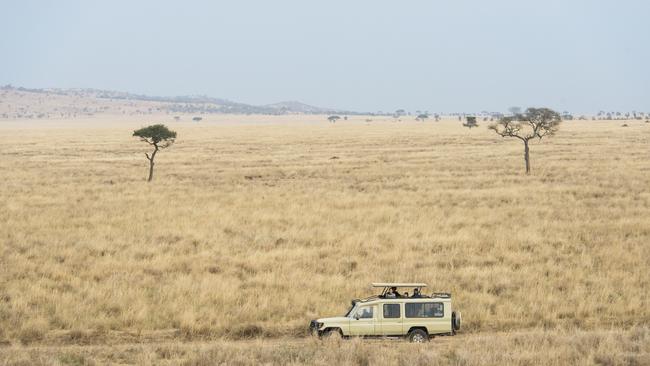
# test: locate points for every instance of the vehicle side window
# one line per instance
(425, 310)
(438, 309)
(391, 311)
(365, 312)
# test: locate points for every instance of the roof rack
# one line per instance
(398, 284)
(365, 299)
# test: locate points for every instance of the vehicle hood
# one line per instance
(336, 319)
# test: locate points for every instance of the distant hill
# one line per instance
(298, 107)
(18, 102)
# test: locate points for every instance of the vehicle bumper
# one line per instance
(314, 328)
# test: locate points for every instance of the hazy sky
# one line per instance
(372, 55)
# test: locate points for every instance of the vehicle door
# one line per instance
(363, 321)
(392, 320)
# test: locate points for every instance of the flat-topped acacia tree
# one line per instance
(333, 119)
(158, 136)
(533, 123)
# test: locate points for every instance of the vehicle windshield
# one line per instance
(351, 311)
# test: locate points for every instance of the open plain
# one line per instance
(253, 225)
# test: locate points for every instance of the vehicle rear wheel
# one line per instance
(418, 336)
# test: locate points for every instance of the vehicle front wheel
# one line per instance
(334, 333)
(418, 336)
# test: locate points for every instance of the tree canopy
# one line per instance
(158, 135)
(534, 123)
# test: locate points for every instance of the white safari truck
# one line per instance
(394, 313)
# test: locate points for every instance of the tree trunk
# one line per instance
(527, 156)
(151, 163)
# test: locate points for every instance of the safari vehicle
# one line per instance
(417, 317)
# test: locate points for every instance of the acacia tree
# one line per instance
(158, 136)
(471, 122)
(333, 119)
(422, 117)
(534, 123)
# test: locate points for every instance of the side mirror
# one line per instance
(356, 316)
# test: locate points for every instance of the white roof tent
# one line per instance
(398, 284)
(387, 285)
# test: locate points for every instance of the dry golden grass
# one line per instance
(251, 227)
(631, 347)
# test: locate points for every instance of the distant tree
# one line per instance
(421, 117)
(333, 119)
(400, 112)
(177, 118)
(436, 117)
(158, 136)
(471, 122)
(197, 119)
(345, 118)
(534, 123)
(514, 110)
(495, 115)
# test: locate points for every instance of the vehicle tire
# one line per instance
(418, 336)
(334, 333)
(455, 321)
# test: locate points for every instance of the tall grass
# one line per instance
(255, 225)
(630, 347)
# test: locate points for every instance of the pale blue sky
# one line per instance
(462, 55)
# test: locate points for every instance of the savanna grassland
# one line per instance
(253, 225)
